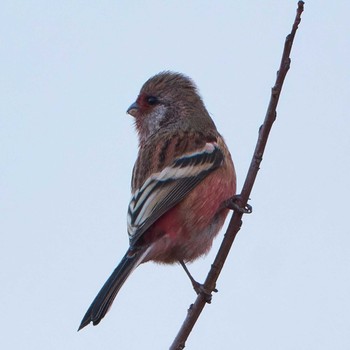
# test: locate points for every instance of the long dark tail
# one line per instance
(110, 289)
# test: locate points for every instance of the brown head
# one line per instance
(169, 101)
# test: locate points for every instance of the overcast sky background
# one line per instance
(68, 72)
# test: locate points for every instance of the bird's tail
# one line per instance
(110, 289)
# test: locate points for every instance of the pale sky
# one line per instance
(68, 72)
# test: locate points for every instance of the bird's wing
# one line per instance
(163, 190)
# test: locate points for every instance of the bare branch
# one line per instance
(236, 219)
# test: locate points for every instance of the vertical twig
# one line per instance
(236, 222)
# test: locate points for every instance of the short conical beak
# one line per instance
(132, 110)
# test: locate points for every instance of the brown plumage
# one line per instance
(181, 179)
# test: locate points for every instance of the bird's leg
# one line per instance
(235, 203)
(198, 287)
(195, 284)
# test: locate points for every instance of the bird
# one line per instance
(181, 181)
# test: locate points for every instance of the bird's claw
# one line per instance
(201, 290)
(235, 203)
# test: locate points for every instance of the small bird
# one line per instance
(181, 182)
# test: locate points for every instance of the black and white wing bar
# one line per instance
(163, 190)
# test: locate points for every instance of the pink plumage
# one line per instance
(181, 180)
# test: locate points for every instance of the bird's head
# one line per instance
(169, 101)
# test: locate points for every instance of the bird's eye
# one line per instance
(151, 100)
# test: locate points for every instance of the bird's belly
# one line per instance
(187, 231)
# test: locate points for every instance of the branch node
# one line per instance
(257, 160)
(275, 89)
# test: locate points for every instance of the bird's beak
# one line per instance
(132, 110)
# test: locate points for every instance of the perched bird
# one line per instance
(181, 180)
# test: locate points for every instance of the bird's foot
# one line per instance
(201, 290)
(198, 287)
(235, 203)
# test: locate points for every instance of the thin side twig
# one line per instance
(236, 219)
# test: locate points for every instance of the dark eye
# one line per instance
(151, 100)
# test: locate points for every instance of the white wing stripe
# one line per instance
(159, 186)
